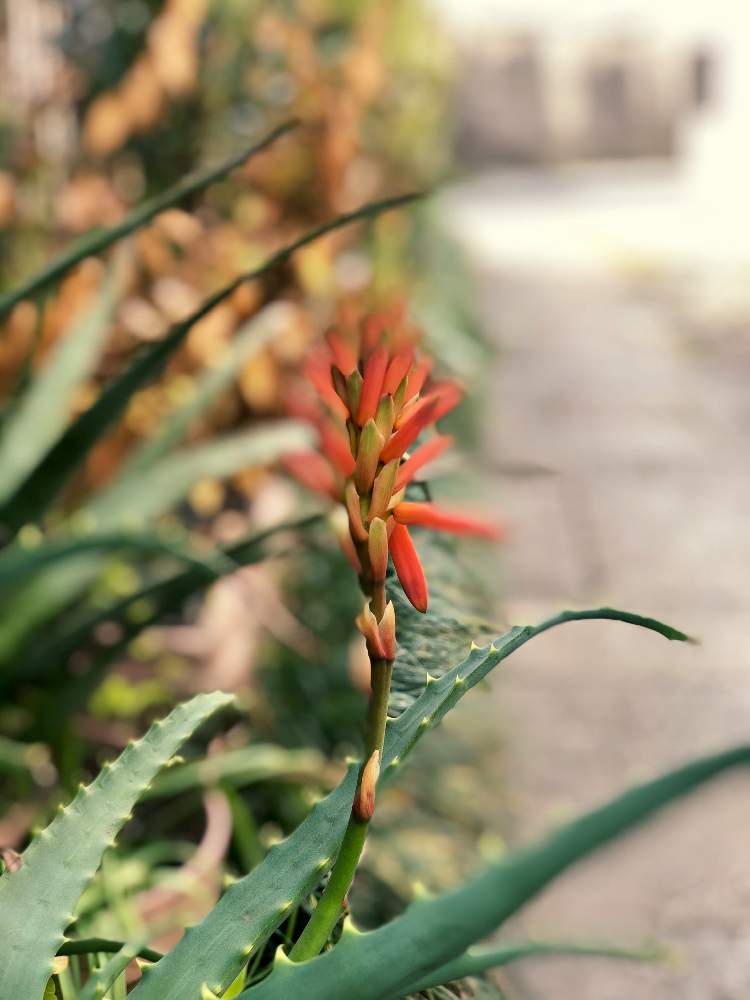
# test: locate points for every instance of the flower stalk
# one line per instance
(370, 409)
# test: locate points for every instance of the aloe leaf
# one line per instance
(247, 341)
(51, 474)
(160, 486)
(100, 981)
(383, 963)
(240, 768)
(94, 242)
(252, 908)
(90, 946)
(478, 961)
(17, 563)
(37, 901)
(33, 425)
(144, 608)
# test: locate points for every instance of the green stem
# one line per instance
(326, 914)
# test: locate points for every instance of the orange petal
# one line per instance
(399, 365)
(443, 398)
(317, 368)
(344, 356)
(372, 386)
(408, 432)
(418, 377)
(425, 453)
(335, 445)
(430, 515)
(408, 567)
(311, 470)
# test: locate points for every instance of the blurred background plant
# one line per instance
(103, 106)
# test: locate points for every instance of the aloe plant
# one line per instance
(370, 403)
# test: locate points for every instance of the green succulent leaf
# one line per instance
(49, 654)
(159, 487)
(384, 963)
(252, 908)
(47, 479)
(33, 424)
(478, 961)
(94, 242)
(17, 563)
(37, 900)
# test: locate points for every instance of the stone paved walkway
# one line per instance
(620, 448)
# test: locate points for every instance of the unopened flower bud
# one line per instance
(363, 806)
(353, 506)
(377, 545)
(367, 624)
(368, 455)
(341, 530)
(354, 390)
(382, 489)
(384, 416)
(387, 630)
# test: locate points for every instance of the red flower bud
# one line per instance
(344, 356)
(318, 370)
(406, 435)
(335, 444)
(418, 377)
(399, 366)
(387, 629)
(408, 567)
(367, 624)
(429, 515)
(372, 384)
(312, 470)
(368, 456)
(363, 806)
(377, 547)
(425, 453)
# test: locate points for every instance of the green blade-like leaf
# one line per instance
(18, 563)
(48, 478)
(34, 424)
(94, 242)
(383, 963)
(100, 981)
(253, 908)
(37, 901)
(50, 653)
(240, 768)
(478, 961)
(91, 946)
(246, 343)
(159, 487)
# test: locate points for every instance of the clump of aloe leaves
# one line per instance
(263, 940)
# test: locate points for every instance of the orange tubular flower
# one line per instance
(377, 400)
(430, 515)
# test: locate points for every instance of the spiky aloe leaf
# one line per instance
(164, 483)
(382, 964)
(255, 906)
(94, 242)
(37, 901)
(34, 422)
(478, 961)
(44, 483)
